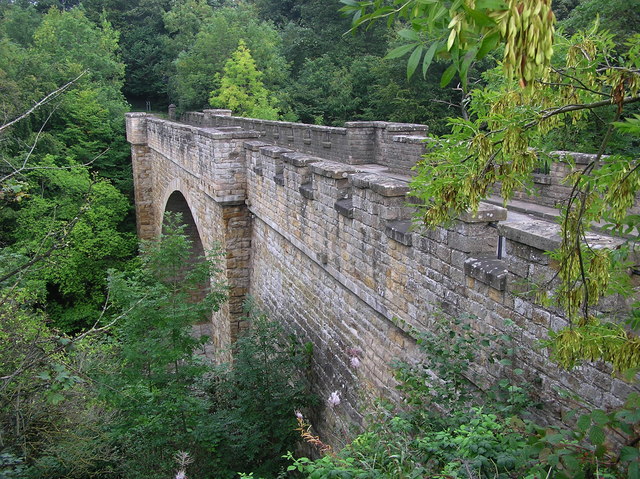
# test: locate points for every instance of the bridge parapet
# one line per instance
(337, 258)
(395, 145)
(326, 246)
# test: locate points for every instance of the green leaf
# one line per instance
(55, 398)
(489, 42)
(480, 18)
(634, 471)
(410, 35)
(571, 462)
(584, 422)
(447, 76)
(596, 435)
(629, 453)
(491, 4)
(414, 60)
(400, 51)
(428, 57)
(599, 417)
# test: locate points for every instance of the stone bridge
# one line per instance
(314, 224)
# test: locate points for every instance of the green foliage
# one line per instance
(168, 399)
(49, 421)
(183, 22)
(252, 424)
(450, 428)
(68, 208)
(447, 427)
(149, 377)
(463, 33)
(143, 42)
(241, 89)
(620, 17)
(44, 184)
(495, 145)
(215, 43)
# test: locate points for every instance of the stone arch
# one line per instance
(177, 203)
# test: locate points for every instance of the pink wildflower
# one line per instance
(334, 399)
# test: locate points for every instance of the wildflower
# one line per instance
(299, 415)
(355, 362)
(334, 399)
(181, 475)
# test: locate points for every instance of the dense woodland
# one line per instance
(98, 376)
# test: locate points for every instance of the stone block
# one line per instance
(489, 270)
(399, 231)
(345, 207)
(486, 214)
(306, 190)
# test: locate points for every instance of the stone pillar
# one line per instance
(143, 175)
(172, 112)
(361, 142)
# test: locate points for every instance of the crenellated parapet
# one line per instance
(394, 145)
(316, 224)
(334, 235)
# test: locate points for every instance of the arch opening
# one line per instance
(177, 203)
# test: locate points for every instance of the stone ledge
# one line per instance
(541, 179)
(300, 160)
(274, 151)
(399, 231)
(577, 158)
(230, 200)
(345, 207)
(362, 124)
(331, 169)
(306, 190)
(220, 134)
(545, 236)
(411, 139)
(218, 112)
(488, 270)
(486, 214)
(383, 185)
(279, 179)
(407, 127)
(254, 145)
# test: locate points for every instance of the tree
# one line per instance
(216, 41)
(463, 34)
(149, 379)
(55, 139)
(494, 145)
(142, 40)
(241, 89)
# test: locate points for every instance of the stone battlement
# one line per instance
(325, 244)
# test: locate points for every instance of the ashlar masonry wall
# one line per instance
(334, 258)
(327, 248)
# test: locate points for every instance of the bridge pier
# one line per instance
(205, 169)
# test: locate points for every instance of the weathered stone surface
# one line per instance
(327, 251)
(344, 206)
(491, 271)
(399, 231)
(485, 213)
